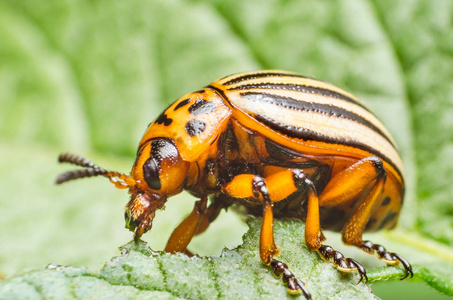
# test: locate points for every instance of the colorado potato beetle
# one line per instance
(279, 144)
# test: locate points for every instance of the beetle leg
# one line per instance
(183, 234)
(195, 223)
(268, 249)
(342, 188)
(313, 233)
(389, 258)
(209, 216)
(350, 182)
(352, 235)
(274, 188)
(344, 264)
(294, 285)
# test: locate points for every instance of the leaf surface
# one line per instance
(89, 76)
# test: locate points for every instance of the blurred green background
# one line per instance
(88, 76)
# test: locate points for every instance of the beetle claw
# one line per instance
(407, 266)
(294, 285)
(389, 258)
(360, 269)
(342, 263)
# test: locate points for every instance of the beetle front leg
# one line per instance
(194, 224)
(209, 216)
(183, 234)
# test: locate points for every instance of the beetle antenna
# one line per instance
(77, 160)
(120, 180)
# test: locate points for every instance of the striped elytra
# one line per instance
(312, 110)
(279, 144)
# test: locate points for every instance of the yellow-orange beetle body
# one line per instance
(281, 145)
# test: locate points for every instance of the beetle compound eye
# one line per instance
(151, 173)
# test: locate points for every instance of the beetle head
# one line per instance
(158, 173)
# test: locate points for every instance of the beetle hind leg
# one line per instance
(346, 185)
(389, 258)
(368, 172)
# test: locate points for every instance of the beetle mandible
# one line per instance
(279, 144)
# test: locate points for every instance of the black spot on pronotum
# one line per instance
(181, 104)
(388, 219)
(386, 201)
(202, 107)
(163, 119)
(195, 127)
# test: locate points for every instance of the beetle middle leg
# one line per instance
(271, 189)
(313, 233)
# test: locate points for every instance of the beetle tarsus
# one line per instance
(293, 285)
(389, 258)
(342, 263)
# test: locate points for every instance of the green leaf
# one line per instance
(233, 274)
(141, 272)
(88, 76)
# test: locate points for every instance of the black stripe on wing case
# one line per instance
(305, 134)
(329, 110)
(300, 88)
(250, 76)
